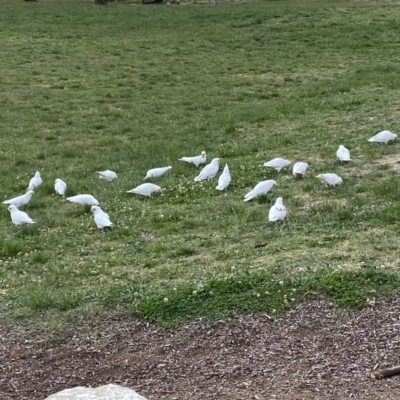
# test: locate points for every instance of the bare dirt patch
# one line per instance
(391, 160)
(314, 352)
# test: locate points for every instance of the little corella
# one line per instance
(299, 169)
(35, 181)
(278, 211)
(107, 175)
(60, 187)
(262, 187)
(209, 171)
(157, 172)
(19, 217)
(383, 137)
(196, 160)
(83, 199)
(21, 200)
(101, 218)
(330, 179)
(277, 164)
(146, 189)
(224, 179)
(343, 153)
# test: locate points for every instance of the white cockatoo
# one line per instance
(343, 153)
(262, 187)
(299, 169)
(277, 164)
(107, 175)
(35, 181)
(330, 179)
(278, 211)
(224, 179)
(157, 172)
(83, 199)
(21, 200)
(101, 218)
(209, 171)
(145, 189)
(383, 137)
(197, 160)
(19, 217)
(60, 186)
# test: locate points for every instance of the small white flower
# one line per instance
(281, 283)
(166, 300)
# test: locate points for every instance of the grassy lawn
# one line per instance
(128, 87)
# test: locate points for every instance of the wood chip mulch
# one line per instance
(314, 352)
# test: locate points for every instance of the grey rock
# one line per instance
(106, 392)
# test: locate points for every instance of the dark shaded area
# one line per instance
(152, 1)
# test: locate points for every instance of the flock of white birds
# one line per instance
(276, 213)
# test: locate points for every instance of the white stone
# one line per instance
(106, 392)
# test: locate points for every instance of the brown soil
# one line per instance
(391, 160)
(314, 352)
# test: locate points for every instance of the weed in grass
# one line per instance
(10, 247)
(185, 251)
(41, 257)
(37, 298)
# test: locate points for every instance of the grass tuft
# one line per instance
(10, 248)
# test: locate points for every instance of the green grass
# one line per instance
(270, 291)
(130, 87)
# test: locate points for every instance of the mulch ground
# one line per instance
(313, 352)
